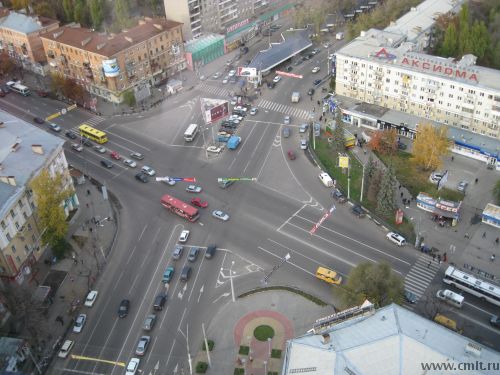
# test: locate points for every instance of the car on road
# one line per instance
(277, 79)
(100, 149)
(185, 273)
(210, 252)
(91, 297)
(168, 274)
(358, 211)
(303, 144)
(54, 127)
(148, 170)
(136, 155)
(240, 108)
(65, 348)
(462, 186)
(86, 142)
(315, 51)
(338, 196)
(184, 236)
(193, 189)
(70, 134)
(234, 100)
(149, 322)
(287, 120)
(232, 73)
(77, 147)
(169, 181)
(129, 163)
(193, 254)
(142, 177)
(330, 56)
(221, 215)
(316, 82)
(396, 238)
(199, 203)
(142, 345)
(495, 321)
(234, 118)
(159, 302)
(217, 75)
(214, 149)
(177, 254)
(253, 111)
(291, 155)
(286, 132)
(79, 323)
(316, 69)
(115, 155)
(410, 297)
(225, 80)
(123, 308)
(39, 120)
(106, 164)
(303, 128)
(133, 366)
(310, 92)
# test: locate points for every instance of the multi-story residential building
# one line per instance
(20, 38)
(25, 151)
(380, 68)
(110, 64)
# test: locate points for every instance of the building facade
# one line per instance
(380, 68)
(107, 65)
(24, 152)
(20, 39)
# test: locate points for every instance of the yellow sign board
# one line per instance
(344, 161)
(73, 356)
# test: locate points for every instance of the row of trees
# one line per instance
(68, 88)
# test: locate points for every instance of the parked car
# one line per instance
(286, 120)
(65, 348)
(358, 211)
(177, 254)
(286, 132)
(193, 189)
(310, 92)
(316, 69)
(303, 128)
(142, 345)
(303, 144)
(77, 147)
(435, 177)
(133, 366)
(217, 75)
(277, 79)
(115, 155)
(396, 238)
(79, 323)
(211, 249)
(193, 254)
(100, 149)
(402, 146)
(338, 196)
(39, 120)
(184, 236)
(142, 177)
(462, 186)
(199, 203)
(136, 155)
(232, 73)
(253, 111)
(410, 297)
(214, 149)
(495, 321)
(291, 155)
(289, 68)
(42, 93)
(225, 80)
(148, 170)
(70, 134)
(168, 274)
(129, 163)
(123, 308)
(91, 297)
(54, 127)
(221, 215)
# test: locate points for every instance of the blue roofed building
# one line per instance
(25, 150)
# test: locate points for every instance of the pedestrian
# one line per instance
(402, 194)
(433, 256)
(444, 257)
(476, 180)
(439, 258)
(466, 235)
(88, 192)
(75, 261)
(318, 102)
(484, 235)
(87, 205)
(452, 158)
(72, 278)
(364, 151)
(314, 109)
(399, 187)
(428, 265)
(496, 241)
(492, 258)
(81, 260)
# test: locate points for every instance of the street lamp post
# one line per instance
(265, 367)
(283, 260)
(362, 183)
(231, 281)
(269, 339)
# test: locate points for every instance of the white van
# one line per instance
(326, 179)
(450, 297)
(191, 132)
(339, 36)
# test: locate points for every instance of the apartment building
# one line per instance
(25, 151)
(107, 65)
(20, 38)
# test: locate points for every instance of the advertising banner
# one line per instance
(246, 72)
(110, 68)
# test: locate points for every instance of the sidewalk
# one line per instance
(73, 277)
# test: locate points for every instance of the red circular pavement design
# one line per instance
(280, 319)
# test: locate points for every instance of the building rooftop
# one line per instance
(110, 44)
(199, 44)
(17, 158)
(421, 18)
(391, 341)
(294, 41)
(25, 24)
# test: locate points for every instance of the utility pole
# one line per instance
(189, 354)
(206, 345)
(283, 260)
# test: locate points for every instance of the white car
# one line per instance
(316, 69)
(148, 170)
(79, 323)
(240, 108)
(225, 80)
(396, 238)
(234, 101)
(235, 117)
(435, 177)
(132, 366)
(330, 56)
(193, 189)
(232, 73)
(54, 127)
(214, 149)
(65, 349)
(253, 111)
(277, 79)
(169, 181)
(184, 236)
(216, 75)
(303, 144)
(100, 149)
(77, 147)
(218, 214)
(287, 120)
(303, 128)
(130, 163)
(91, 297)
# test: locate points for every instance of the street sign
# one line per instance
(323, 218)
(177, 179)
(224, 179)
(291, 75)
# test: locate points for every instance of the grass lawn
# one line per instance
(263, 332)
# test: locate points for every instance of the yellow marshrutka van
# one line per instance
(447, 322)
(329, 276)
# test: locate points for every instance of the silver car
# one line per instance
(221, 215)
(287, 120)
(130, 163)
(193, 189)
(142, 345)
(462, 186)
(100, 149)
(79, 323)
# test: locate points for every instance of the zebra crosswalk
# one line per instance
(285, 109)
(219, 91)
(421, 275)
(93, 121)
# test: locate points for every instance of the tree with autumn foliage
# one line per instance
(384, 141)
(50, 192)
(68, 88)
(430, 146)
(7, 65)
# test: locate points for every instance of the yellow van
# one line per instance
(329, 276)
(447, 322)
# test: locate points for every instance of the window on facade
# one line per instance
(33, 238)
(2, 223)
(18, 259)
(17, 225)
(13, 248)
(20, 203)
(32, 205)
(12, 214)
(26, 249)
(29, 227)
(25, 216)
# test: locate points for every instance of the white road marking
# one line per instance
(288, 261)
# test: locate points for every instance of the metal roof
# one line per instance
(25, 24)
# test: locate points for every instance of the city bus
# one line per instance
(20, 89)
(471, 284)
(180, 208)
(190, 132)
(92, 133)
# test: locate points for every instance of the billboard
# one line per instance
(214, 109)
(285, 74)
(110, 68)
(246, 72)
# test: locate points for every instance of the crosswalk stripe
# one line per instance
(421, 274)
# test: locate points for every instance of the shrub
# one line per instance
(244, 350)
(263, 332)
(210, 345)
(201, 367)
(275, 353)
(239, 371)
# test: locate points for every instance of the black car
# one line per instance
(410, 297)
(39, 120)
(159, 302)
(338, 196)
(193, 254)
(358, 211)
(142, 177)
(70, 135)
(289, 68)
(270, 85)
(123, 309)
(106, 163)
(310, 92)
(316, 82)
(86, 142)
(210, 251)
